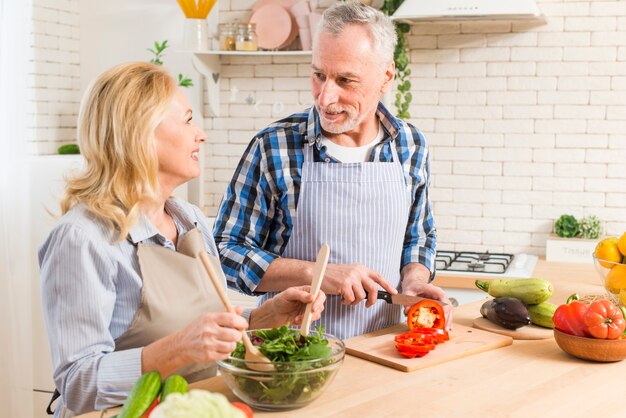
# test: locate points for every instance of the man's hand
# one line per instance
(354, 282)
(415, 278)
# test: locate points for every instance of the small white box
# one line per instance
(570, 250)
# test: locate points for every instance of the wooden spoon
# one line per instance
(318, 275)
(258, 361)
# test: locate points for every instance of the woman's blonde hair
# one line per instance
(116, 123)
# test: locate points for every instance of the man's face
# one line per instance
(348, 79)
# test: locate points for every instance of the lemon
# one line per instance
(616, 279)
(607, 250)
(621, 244)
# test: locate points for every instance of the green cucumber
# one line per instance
(141, 396)
(174, 384)
(530, 291)
(541, 314)
(68, 149)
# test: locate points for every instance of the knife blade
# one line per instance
(401, 299)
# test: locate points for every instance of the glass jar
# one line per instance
(246, 37)
(227, 37)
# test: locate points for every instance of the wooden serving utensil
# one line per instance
(316, 283)
(258, 361)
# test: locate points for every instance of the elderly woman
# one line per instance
(123, 290)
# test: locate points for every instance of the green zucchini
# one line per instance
(530, 291)
(174, 384)
(141, 396)
(541, 314)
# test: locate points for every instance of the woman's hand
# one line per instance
(211, 337)
(287, 307)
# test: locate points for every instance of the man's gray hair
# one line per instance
(381, 28)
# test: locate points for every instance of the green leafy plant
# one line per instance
(158, 52)
(401, 59)
(566, 226)
(590, 227)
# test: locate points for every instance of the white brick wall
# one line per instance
(54, 88)
(525, 121)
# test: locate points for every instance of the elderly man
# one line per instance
(345, 172)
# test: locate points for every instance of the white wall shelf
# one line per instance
(208, 64)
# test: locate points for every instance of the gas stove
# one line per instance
(467, 263)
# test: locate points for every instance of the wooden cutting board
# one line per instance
(464, 341)
(528, 332)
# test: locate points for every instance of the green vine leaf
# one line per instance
(401, 60)
(158, 51)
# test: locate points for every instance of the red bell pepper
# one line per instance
(568, 317)
(426, 314)
(604, 319)
(420, 341)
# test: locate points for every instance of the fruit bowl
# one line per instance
(293, 384)
(591, 348)
(613, 277)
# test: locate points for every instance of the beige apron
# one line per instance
(175, 292)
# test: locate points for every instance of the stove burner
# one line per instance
(473, 261)
(476, 266)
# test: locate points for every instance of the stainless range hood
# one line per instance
(435, 10)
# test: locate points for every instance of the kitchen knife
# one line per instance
(401, 299)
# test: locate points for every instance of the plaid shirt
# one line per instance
(256, 216)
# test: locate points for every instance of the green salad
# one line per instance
(296, 359)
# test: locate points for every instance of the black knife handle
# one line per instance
(386, 296)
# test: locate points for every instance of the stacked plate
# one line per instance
(276, 27)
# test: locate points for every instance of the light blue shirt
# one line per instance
(91, 287)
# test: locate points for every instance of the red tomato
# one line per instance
(243, 408)
(604, 320)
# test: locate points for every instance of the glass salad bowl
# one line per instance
(613, 276)
(293, 383)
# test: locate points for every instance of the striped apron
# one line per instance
(361, 211)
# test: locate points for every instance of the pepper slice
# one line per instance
(426, 314)
(413, 344)
(412, 351)
(440, 335)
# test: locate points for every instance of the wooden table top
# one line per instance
(527, 378)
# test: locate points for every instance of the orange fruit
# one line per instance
(621, 244)
(607, 250)
(622, 297)
(616, 279)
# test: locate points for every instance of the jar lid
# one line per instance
(247, 25)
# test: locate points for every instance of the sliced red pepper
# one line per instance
(568, 317)
(412, 350)
(604, 320)
(243, 408)
(440, 334)
(152, 406)
(426, 314)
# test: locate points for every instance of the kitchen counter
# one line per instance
(527, 378)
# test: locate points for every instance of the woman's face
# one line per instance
(177, 140)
